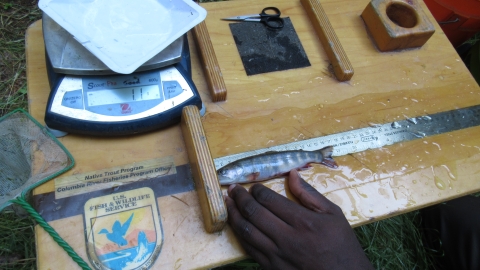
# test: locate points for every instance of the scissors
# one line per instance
(271, 20)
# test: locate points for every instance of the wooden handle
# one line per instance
(341, 65)
(203, 169)
(209, 62)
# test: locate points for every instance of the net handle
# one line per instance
(56, 237)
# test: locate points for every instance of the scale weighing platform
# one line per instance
(88, 98)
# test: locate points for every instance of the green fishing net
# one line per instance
(30, 156)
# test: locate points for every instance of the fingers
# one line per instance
(249, 239)
(260, 247)
(253, 212)
(277, 204)
(309, 196)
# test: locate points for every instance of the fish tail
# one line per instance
(327, 157)
(327, 152)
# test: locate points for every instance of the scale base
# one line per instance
(120, 105)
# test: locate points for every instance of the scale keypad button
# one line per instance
(171, 89)
(73, 99)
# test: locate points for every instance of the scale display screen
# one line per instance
(121, 104)
(123, 95)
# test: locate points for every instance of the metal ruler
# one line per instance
(376, 136)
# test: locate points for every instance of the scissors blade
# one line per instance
(242, 17)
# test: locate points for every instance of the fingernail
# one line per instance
(231, 187)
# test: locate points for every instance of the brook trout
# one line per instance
(272, 164)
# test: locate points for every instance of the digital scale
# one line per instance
(88, 98)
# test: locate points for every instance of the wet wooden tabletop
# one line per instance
(287, 106)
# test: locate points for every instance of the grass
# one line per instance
(17, 242)
(16, 15)
(394, 243)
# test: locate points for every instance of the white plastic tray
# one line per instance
(124, 34)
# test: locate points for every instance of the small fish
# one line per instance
(272, 164)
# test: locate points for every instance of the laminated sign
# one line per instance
(123, 230)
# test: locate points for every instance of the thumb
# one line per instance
(308, 195)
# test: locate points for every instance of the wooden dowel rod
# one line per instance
(208, 60)
(341, 65)
(203, 170)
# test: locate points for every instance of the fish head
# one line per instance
(229, 174)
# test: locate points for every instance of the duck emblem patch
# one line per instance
(123, 230)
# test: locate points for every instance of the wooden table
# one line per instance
(286, 106)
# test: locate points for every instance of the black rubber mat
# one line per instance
(265, 50)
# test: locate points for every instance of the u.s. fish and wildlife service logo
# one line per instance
(123, 230)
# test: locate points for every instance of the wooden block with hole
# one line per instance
(397, 24)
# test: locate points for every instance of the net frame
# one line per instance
(27, 133)
(36, 176)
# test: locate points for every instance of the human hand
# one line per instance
(280, 234)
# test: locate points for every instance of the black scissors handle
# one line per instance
(270, 19)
